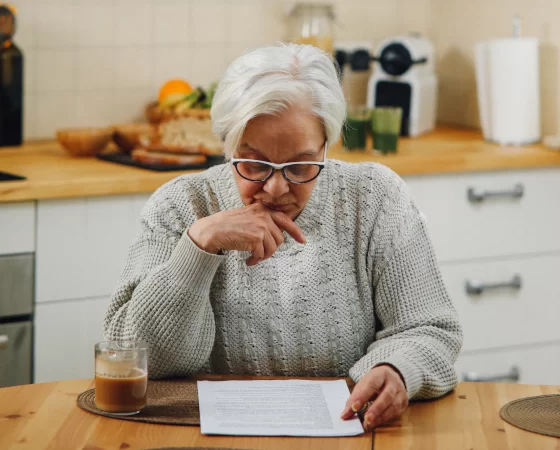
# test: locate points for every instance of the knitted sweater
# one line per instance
(364, 290)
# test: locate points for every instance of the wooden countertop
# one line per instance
(51, 173)
(45, 415)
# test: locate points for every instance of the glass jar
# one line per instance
(312, 23)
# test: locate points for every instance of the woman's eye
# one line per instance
(257, 166)
(299, 169)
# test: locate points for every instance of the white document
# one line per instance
(275, 408)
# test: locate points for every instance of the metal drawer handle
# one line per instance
(475, 287)
(477, 197)
(3, 341)
(512, 375)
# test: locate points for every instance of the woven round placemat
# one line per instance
(540, 414)
(172, 402)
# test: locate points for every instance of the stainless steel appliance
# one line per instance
(16, 319)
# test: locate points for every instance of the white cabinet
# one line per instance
(500, 228)
(535, 364)
(17, 228)
(65, 334)
(82, 245)
(500, 225)
(524, 312)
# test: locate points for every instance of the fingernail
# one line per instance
(368, 422)
(356, 406)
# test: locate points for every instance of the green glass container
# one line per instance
(386, 128)
(355, 128)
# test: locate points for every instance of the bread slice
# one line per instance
(173, 149)
(190, 133)
(150, 157)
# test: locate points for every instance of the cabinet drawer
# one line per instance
(82, 245)
(511, 315)
(537, 364)
(65, 335)
(523, 218)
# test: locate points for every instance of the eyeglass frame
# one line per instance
(280, 167)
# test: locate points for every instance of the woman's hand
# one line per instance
(385, 389)
(255, 229)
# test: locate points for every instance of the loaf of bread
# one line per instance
(190, 133)
(145, 156)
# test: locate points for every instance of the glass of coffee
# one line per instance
(121, 376)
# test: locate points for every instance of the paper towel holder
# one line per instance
(508, 88)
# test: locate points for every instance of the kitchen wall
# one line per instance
(457, 25)
(97, 62)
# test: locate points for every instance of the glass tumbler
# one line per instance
(354, 131)
(121, 376)
(386, 128)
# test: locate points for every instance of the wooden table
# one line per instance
(45, 416)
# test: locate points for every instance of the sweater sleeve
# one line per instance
(163, 294)
(419, 333)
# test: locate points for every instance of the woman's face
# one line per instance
(292, 136)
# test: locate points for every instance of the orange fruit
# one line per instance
(174, 88)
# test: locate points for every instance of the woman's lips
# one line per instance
(276, 206)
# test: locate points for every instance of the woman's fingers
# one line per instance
(384, 401)
(272, 237)
(269, 245)
(389, 414)
(397, 407)
(257, 253)
(275, 232)
(285, 223)
(366, 388)
(254, 228)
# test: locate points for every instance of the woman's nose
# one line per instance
(276, 185)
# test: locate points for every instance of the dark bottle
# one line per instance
(11, 81)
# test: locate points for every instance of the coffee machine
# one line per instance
(404, 77)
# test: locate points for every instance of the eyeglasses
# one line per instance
(294, 172)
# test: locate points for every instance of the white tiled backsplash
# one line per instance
(98, 62)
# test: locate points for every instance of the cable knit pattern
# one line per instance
(364, 290)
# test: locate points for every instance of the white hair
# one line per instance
(268, 80)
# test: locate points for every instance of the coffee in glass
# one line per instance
(121, 376)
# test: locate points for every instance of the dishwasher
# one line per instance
(16, 319)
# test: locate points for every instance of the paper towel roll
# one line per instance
(510, 111)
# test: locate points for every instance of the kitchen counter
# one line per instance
(46, 416)
(51, 173)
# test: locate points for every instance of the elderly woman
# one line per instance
(282, 262)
